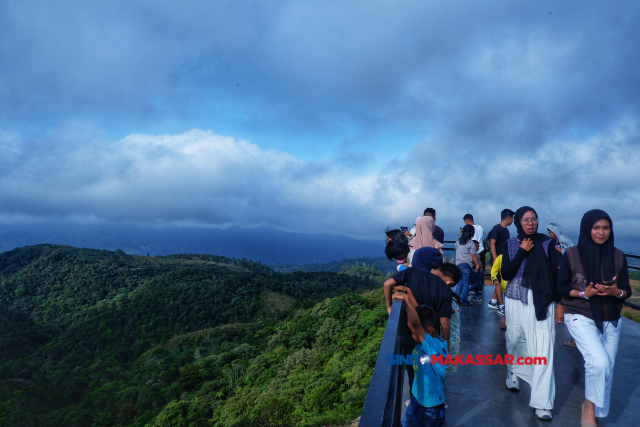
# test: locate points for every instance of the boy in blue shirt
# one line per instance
(426, 408)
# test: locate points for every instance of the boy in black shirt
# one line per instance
(428, 288)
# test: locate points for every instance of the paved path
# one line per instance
(477, 396)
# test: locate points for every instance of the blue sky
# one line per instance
(319, 116)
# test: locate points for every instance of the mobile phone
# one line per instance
(608, 282)
(404, 228)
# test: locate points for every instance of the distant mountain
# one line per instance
(382, 263)
(268, 245)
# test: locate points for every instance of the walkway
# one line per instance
(477, 395)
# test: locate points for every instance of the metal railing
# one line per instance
(383, 406)
(632, 267)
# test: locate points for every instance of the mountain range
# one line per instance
(265, 244)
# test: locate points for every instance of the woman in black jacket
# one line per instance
(530, 265)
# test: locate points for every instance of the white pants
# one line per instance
(599, 352)
(528, 337)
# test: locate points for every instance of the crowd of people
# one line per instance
(539, 281)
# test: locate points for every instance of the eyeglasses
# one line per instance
(530, 220)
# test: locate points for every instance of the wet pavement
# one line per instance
(477, 395)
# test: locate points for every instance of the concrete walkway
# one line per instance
(477, 395)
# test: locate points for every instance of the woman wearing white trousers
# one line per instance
(531, 268)
(592, 312)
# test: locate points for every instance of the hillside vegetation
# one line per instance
(100, 338)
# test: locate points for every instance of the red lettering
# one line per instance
(458, 359)
(508, 359)
(498, 360)
(470, 360)
(436, 359)
(539, 360)
(448, 360)
(488, 359)
(479, 359)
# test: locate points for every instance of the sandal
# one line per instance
(503, 326)
(570, 343)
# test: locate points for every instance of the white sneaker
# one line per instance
(513, 383)
(544, 414)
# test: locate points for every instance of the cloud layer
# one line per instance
(199, 177)
(342, 117)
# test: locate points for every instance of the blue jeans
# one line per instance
(463, 285)
(419, 416)
(479, 285)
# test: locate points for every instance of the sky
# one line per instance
(319, 116)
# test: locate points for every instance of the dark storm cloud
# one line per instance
(482, 71)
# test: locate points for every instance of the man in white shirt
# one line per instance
(478, 236)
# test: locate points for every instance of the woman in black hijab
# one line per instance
(531, 267)
(594, 281)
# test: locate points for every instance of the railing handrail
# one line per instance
(382, 408)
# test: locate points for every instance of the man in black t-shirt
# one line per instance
(497, 237)
(499, 234)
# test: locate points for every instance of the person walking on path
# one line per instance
(531, 269)
(593, 283)
(478, 236)
(465, 251)
(498, 235)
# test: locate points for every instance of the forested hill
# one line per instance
(94, 337)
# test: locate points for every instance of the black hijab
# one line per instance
(595, 260)
(537, 274)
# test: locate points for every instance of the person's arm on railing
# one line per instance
(388, 284)
(412, 316)
(397, 279)
(406, 290)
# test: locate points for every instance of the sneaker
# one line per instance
(493, 305)
(476, 299)
(513, 383)
(501, 311)
(543, 414)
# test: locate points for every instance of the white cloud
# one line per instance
(201, 177)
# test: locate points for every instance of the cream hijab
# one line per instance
(425, 226)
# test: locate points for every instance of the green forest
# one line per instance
(100, 338)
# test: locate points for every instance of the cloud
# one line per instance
(204, 178)
(339, 116)
(476, 71)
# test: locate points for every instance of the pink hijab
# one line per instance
(425, 227)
